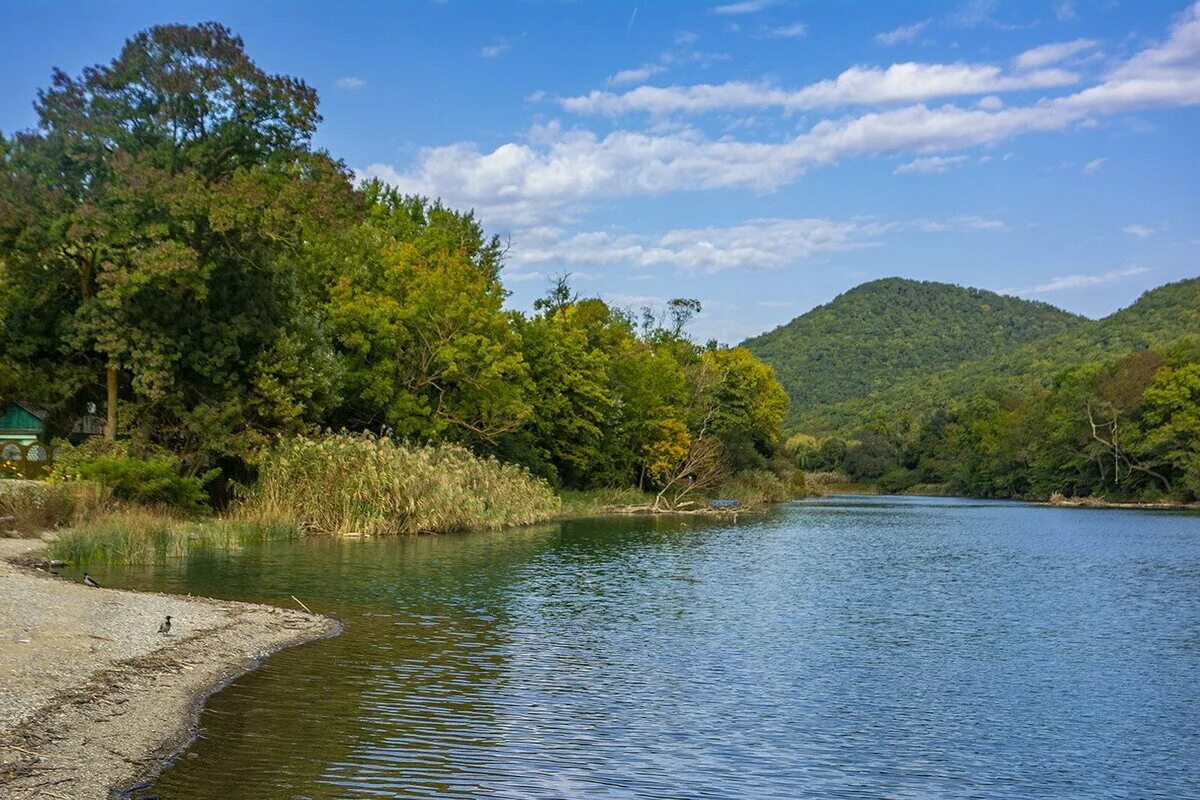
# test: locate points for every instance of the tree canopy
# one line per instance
(173, 246)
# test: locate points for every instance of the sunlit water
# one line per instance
(840, 648)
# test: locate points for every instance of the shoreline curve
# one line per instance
(93, 702)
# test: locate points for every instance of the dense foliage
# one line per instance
(890, 332)
(1108, 409)
(175, 251)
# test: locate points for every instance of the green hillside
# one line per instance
(892, 331)
(932, 388)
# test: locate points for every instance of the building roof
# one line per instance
(37, 410)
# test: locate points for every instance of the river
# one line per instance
(846, 647)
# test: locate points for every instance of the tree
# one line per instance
(1172, 413)
(870, 457)
(700, 468)
(151, 223)
(747, 404)
(572, 395)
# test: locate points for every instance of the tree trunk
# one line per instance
(110, 428)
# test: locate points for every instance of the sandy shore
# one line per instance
(92, 698)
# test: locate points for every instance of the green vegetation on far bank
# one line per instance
(1110, 411)
(177, 257)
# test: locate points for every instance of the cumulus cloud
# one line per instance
(905, 33)
(1054, 53)
(350, 83)
(1140, 231)
(1078, 281)
(930, 165)
(759, 244)
(898, 83)
(554, 171)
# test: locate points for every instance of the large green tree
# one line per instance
(412, 301)
(150, 228)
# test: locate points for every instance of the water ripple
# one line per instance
(846, 648)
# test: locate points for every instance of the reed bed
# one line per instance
(757, 487)
(597, 502)
(30, 507)
(367, 485)
(145, 536)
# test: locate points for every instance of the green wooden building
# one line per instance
(23, 423)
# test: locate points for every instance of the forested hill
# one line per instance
(886, 332)
(909, 359)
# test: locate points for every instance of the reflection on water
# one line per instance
(844, 647)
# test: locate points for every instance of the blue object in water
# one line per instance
(725, 503)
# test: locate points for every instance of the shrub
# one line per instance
(359, 483)
(155, 480)
(899, 479)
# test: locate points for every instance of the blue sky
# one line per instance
(760, 156)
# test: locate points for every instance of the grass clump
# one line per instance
(363, 484)
(144, 536)
(28, 507)
(595, 502)
(756, 487)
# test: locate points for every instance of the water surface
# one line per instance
(846, 647)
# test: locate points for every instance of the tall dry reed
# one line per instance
(364, 484)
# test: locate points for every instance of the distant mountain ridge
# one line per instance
(897, 345)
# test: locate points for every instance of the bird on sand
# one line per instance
(88, 580)
(165, 628)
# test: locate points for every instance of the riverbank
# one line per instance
(92, 698)
(1096, 502)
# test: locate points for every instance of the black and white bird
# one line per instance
(165, 628)
(88, 580)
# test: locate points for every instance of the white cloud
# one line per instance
(972, 13)
(1140, 231)
(1078, 281)
(350, 83)
(1093, 165)
(899, 83)
(745, 7)
(1065, 10)
(553, 172)
(495, 49)
(965, 223)
(797, 30)
(1053, 53)
(757, 244)
(905, 33)
(637, 74)
(930, 165)
(686, 37)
